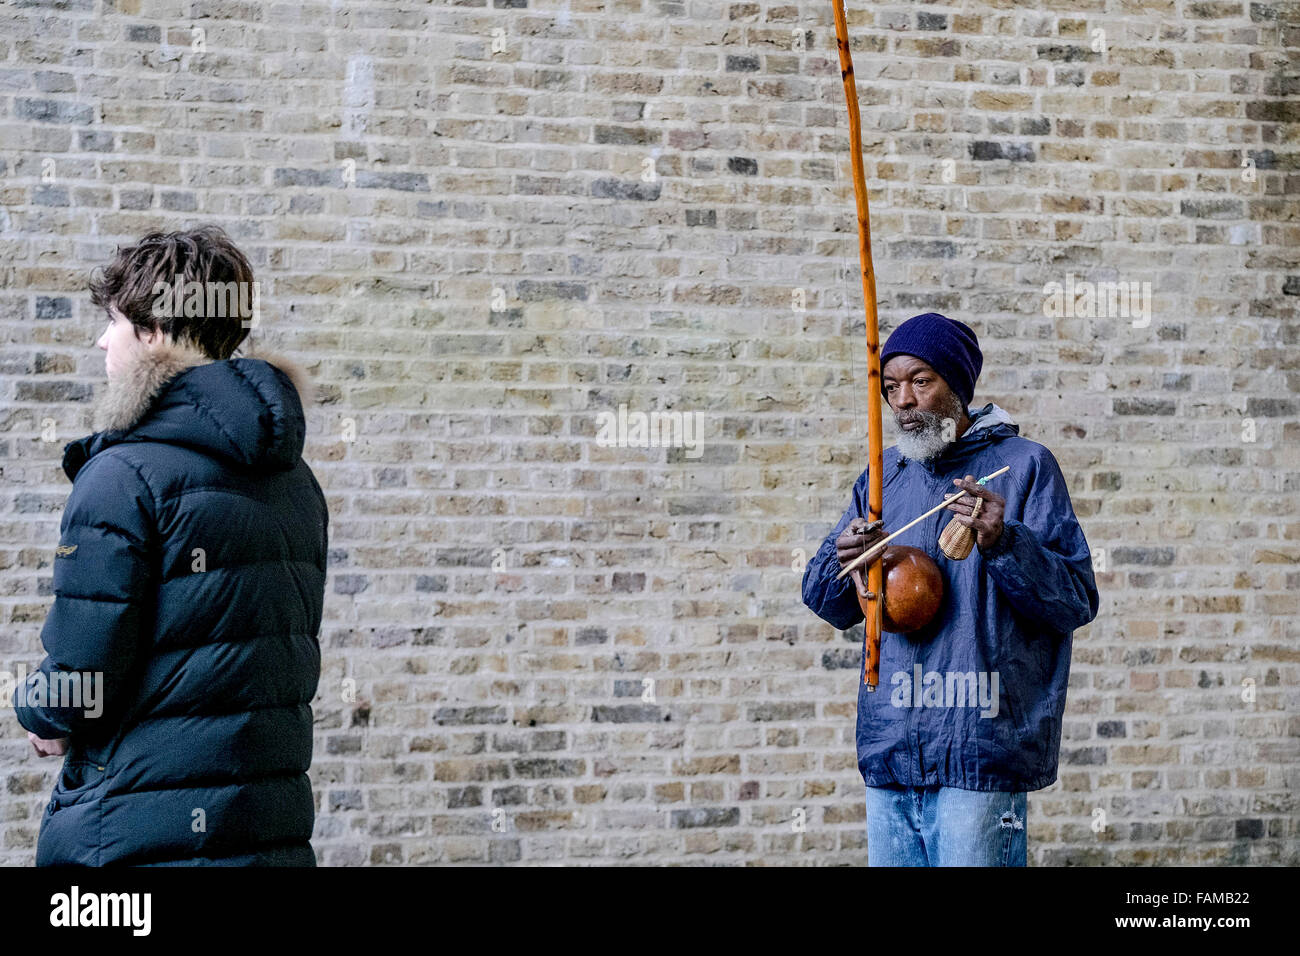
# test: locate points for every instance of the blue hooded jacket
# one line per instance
(1006, 622)
(190, 578)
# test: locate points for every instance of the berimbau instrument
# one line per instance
(905, 586)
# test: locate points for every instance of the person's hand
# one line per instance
(48, 748)
(859, 537)
(988, 523)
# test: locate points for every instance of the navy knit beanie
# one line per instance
(946, 345)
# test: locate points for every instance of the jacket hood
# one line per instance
(990, 416)
(245, 411)
(989, 425)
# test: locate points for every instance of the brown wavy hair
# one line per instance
(205, 255)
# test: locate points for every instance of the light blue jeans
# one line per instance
(944, 826)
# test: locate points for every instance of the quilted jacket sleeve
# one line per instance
(104, 590)
(1042, 563)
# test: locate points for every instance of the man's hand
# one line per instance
(988, 523)
(854, 541)
(48, 748)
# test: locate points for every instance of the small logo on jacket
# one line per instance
(64, 550)
(102, 909)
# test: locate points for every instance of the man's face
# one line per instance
(121, 342)
(927, 412)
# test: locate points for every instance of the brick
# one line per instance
(53, 111)
(705, 817)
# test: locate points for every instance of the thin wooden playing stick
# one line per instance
(880, 545)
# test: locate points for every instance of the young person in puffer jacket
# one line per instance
(967, 718)
(189, 581)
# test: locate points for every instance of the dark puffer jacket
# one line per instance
(190, 576)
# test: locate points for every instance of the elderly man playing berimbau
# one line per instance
(947, 773)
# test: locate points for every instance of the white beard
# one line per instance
(924, 443)
(928, 441)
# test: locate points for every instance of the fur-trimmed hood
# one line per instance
(246, 410)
